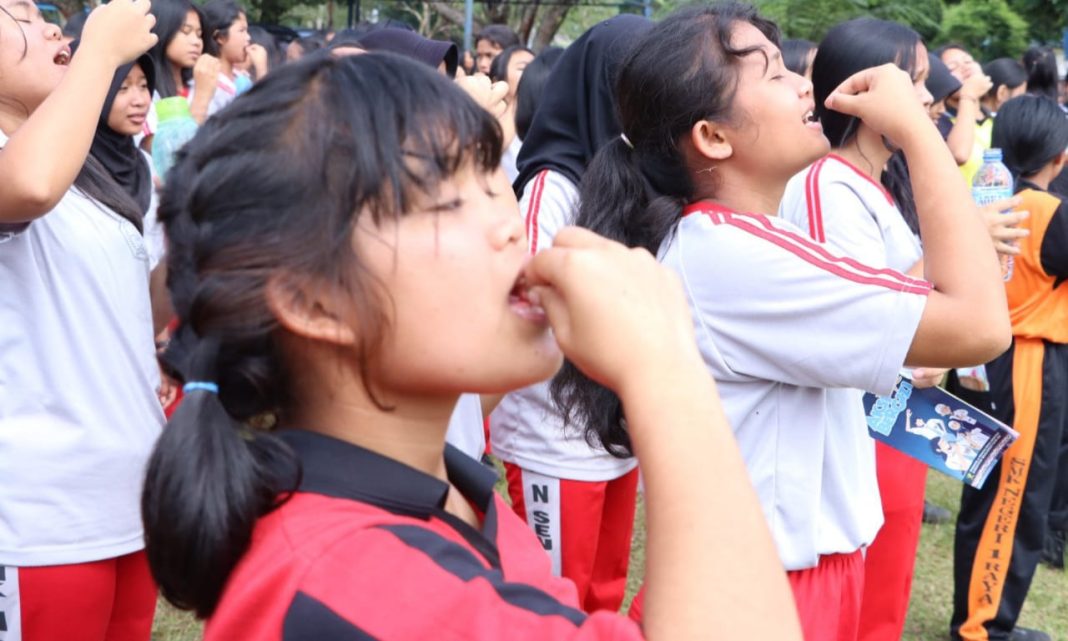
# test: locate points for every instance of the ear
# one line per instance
(310, 310)
(711, 140)
(1059, 161)
(1002, 94)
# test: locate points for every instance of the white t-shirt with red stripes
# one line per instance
(526, 429)
(851, 214)
(780, 322)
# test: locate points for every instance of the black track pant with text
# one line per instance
(1002, 527)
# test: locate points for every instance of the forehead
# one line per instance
(520, 57)
(22, 6)
(746, 36)
(486, 45)
(955, 56)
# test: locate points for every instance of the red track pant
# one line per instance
(109, 600)
(890, 561)
(827, 597)
(585, 526)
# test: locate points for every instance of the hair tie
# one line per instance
(193, 386)
(626, 141)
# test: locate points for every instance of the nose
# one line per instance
(52, 31)
(804, 87)
(141, 98)
(508, 226)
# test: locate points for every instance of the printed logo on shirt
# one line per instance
(133, 240)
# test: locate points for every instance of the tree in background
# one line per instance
(810, 19)
(988, 28)
(536, 21)
(1047, 18)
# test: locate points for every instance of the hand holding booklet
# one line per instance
(939, 429)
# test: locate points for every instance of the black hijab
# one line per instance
(577, 114)
(117, 152)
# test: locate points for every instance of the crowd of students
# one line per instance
(681, 247)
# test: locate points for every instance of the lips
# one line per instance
(62, 57)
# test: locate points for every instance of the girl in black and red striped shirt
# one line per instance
(347, 259)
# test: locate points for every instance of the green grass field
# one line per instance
(929, 609)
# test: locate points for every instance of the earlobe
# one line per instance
(710, 140)
(309, 310)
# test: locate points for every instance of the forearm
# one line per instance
(961, 138)
(198, 106)
(959, 257)
(709, 575)
(45, 154)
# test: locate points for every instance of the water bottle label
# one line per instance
(991, 194)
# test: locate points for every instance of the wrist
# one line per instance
(96, 57)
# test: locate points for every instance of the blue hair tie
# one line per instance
(192, 386)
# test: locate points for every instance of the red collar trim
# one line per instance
(863, 175)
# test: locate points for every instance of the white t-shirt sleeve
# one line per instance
(466, 432)
(776, 306)
(549, 203)
(850, 228)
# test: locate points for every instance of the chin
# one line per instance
(529, 370)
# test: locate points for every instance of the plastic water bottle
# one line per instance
(993, 182)
(176, 127)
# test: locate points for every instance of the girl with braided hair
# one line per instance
(348, 259)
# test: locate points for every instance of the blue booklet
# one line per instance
(935, 427)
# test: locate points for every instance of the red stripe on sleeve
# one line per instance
(534, 208)
(819, 236)
(820, 257)
(811, 252)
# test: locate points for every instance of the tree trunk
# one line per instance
(496, 11)
(550, 24)
(453, 15)
(526, 22)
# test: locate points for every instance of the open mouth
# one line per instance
(810, 117)
(520, 301)
(63, 57)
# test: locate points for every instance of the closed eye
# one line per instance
(448, 205)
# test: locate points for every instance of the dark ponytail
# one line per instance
(1042, 76)
(680, 72)
(1031, 131)
(209, 478)
(898, 182)
(850, 47)
(272, 188)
